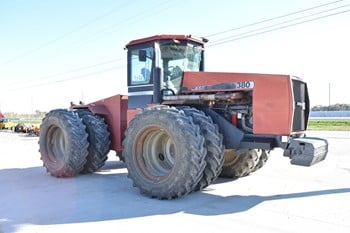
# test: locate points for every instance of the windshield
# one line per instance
(177, 58)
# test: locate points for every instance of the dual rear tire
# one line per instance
(73, 142)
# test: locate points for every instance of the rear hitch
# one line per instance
(306, 151)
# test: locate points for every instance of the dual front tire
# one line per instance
(171, 152)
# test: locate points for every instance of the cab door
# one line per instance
(140, 76)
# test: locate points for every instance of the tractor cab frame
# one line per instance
(156, 65)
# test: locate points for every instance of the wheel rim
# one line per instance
(56, 143)
(230, 157)
(155, 152)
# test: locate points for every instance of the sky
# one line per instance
(54, 52)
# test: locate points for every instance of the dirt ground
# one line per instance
(280, 197)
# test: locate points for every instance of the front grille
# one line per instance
(301, 105)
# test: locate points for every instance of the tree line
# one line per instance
(332, 107)
(37, 115)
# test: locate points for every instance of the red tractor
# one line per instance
(180, 128)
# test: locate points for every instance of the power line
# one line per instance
(272, 19)
(277, 24)
(66, 79)
(279, 28)
(82, 26)
(140, 15)
(64, 35)
(226, 40)
(144, 13)
(251, 33)
(70, 71)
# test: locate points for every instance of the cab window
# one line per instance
(141, 66)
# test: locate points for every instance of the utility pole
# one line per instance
(329, 95)
(31, 107)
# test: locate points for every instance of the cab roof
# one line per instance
(167, 37)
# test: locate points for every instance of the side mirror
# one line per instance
(142, 55)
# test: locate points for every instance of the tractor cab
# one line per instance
(156, 65)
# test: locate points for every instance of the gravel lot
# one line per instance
(278, 198)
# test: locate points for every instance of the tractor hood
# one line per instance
(280, 102)
(218, 81)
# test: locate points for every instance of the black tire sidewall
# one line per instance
(190, 153)
(75, 139)
(98, 137)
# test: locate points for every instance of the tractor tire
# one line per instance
(98, 138)
(213, 143)
(164, 153)
(63, 143)
(239, 163)
(262, 159)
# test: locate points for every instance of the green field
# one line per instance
(342, 125)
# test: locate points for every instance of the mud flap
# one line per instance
(306, 151)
